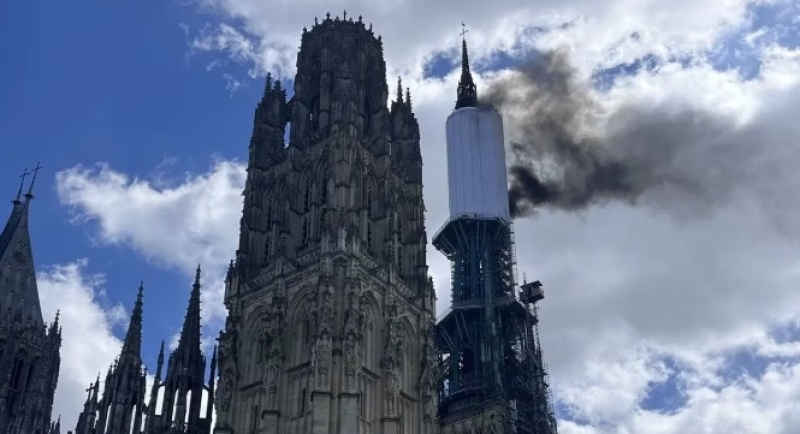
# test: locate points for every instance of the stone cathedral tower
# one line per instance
(330, 306)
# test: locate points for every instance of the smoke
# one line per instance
(569, 152)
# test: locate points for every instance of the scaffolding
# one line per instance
(489, 351)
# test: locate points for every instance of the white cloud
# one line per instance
(627, 288)
(178, 226)
(88, 342)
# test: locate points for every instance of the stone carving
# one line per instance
(282, 241)
(223, 395)
(327, 267)
(322, 349)
(329, 221)
(393, 353)
(353, 336)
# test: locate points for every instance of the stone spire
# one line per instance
(467, 92)
(22, 302)
(190, 333)
(122, 405)
(133, 339)
(184, 382)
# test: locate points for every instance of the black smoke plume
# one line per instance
(568, 152)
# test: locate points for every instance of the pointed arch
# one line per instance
(357, 184)
(372, 323)
(252, 349)
(300, 314)
(267, 247)
(369, 195)
(409, 365)
(369, 89)
(305, 231)
(314, 89)
(324, 179)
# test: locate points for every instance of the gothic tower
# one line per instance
(330, 306)
(493, 379)
(29, 350)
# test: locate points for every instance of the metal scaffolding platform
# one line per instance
(489, 356)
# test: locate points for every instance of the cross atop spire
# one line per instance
(24, 175)
(463, 31)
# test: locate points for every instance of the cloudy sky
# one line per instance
(673, 313)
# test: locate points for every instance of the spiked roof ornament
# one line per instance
(467, 92)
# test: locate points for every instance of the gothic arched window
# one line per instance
(306, 194)
(368, 90)
(267, 249)
(314, 89)
(368, 199)
(304, 232)
(323, 187)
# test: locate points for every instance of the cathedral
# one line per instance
(331, 323)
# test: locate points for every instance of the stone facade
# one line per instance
(29, 350)
(330, 306)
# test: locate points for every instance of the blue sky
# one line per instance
(118, 82)
(93, 82)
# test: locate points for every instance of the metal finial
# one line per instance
(463, 31)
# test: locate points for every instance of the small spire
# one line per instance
(467, 92)
(408, 97)
(29, 194)
(344, 15)
(133, 338)
(399, 90)
(189, 340)
(54, 327)
(268, 84)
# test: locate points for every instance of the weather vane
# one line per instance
(463, 30)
